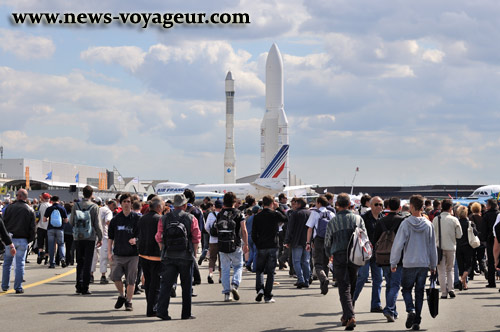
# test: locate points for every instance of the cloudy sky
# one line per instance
(405, 90)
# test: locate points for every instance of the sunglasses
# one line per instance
(378, 204)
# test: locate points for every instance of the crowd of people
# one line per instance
(150, 246)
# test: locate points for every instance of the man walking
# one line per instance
(489, 219)
(123, 255)
(265, 235)
(86, 230)
(415, 240)
(447, 230)
(318, 221)
(19, 220)
(371, 218)
(296, 239)
(385, 231)
(230, 224)
(178, 236)
(149, 253)
(338, 234)
(55, 216)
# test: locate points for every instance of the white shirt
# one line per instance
(211, 218)
(43, 207)
(496, 223)
(313, 220)
(105, 216)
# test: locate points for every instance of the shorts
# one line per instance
(124, 265)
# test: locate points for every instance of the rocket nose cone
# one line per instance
(274, 52)
(229, 76)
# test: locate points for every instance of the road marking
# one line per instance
(41, 282)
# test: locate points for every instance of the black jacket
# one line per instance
(4, 235)
(148, 226)
(296, 233)
(489, 219)
(265, 228)
(19, 220)
(370, 223)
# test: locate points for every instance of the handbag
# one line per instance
(474, 241)
(433, 296)
(439, 250)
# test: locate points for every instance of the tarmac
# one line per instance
(50, 304)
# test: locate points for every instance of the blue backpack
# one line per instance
(55, 218)
(324, 219)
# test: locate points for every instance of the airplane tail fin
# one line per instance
(276, 166)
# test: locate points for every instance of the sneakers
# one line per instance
(452, 294)
(120, 302)
(260, 295)
(379, 309)
(104, 281)
(410, 319)
(210, 279)
(351, 324)
(19, 291)
(63, 263)
(235, 293)
(390, 318)
(128, 306)
(227, 297)
(271, 300)
(324, 287)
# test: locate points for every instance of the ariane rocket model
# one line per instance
(229, 154)
(274, 126)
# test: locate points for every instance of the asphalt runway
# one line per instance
(50, 304)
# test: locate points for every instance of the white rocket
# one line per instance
(274, 126)
(229, 154)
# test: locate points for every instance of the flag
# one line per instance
(49, 176)
(324, 191)
(77, 177)
(357, 169)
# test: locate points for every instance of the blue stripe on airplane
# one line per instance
(276, 162)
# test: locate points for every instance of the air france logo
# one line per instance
(170, 190)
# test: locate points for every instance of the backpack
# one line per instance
(360, 249)
(384, 245)
(82, 228)
(213, 228)
(55, 218)
(226, 230)
(175, 235)
(324, 219)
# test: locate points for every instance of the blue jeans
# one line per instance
(21, 248)
(415, 276)
(301, 264)
(392, 284)
(234, 259)
(376, 282)
(266, 262)
(53, 236)
(252, 254)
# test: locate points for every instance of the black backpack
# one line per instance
(225, 226)
(175, 235)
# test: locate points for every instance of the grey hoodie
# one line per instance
(416, 237)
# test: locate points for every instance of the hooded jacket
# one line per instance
(416, 238)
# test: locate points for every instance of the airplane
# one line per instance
(480, 195)
(266, 184)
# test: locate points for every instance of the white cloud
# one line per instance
(26, 46)
(435, 56)
(398, 71)
(130, 57)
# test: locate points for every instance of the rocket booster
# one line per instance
(229, 154)
(274, 126)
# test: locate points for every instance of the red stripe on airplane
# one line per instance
(278, 172)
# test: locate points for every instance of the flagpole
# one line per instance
(354, 178)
